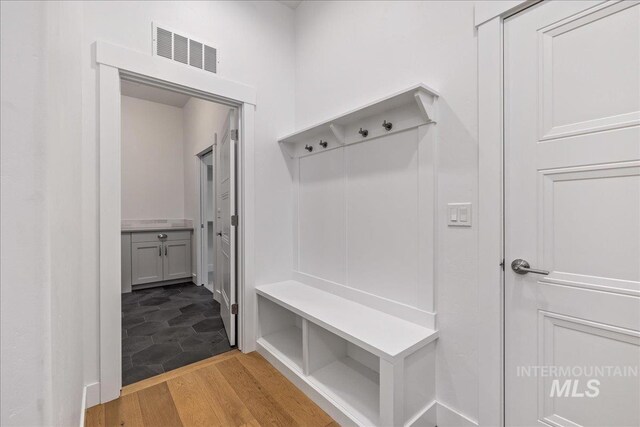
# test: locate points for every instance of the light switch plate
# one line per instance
(459, 214)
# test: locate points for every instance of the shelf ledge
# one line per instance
(410, 108)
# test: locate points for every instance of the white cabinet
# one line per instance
(146, 262)
(155, 258)
(177, 259)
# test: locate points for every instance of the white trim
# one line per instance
(114, 62)
(90, 398)
(83, 406)
(202, 270)
(487, 10)
(110, 228)
(93, 394)
(490, 239)
(173, 73)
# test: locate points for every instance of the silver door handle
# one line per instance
(521, 266)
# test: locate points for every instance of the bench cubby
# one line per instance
(361, 365)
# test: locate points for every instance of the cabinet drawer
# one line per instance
(152, 236)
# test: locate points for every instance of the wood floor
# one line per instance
(232, 389)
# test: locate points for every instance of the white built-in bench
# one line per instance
(361, 365)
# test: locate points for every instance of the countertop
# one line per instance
(155, 228)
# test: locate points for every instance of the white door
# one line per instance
(572, 207)
(226, 207)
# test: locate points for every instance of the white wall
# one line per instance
(152, 160)
(256, 47)
(392, 45)
(202, 120)
(41, 286)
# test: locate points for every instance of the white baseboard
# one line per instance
(83, 406)
(90, 397)
(93, 394)
(448, 417)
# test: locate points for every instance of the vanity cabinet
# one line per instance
(155, 258)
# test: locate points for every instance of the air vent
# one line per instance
(195, 53)
(168, 44)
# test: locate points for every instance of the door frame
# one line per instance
(112, 63)
(202, 269)
(489, 22)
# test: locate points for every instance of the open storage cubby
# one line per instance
(348, 373)
(361, 365)
(281, 332)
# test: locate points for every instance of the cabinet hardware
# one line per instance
(165, 250)
(363, 132)
(159, 250)
(308, 147)
(387, 125)
(324, 144)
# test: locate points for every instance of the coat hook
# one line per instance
(387, 125)
(308, 147)
(324, 144)
(363, 132)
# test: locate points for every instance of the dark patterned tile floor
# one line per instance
(168, 327)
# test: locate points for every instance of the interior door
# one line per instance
(572, 210)
(226, 206)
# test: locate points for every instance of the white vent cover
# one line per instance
(183, 49)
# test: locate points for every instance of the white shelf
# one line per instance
(412, 107)
(353, 386)
(384, 335)
(287, 344)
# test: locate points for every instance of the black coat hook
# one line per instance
(363, 132)
(308, 147)
(387, 125)
(323, 144)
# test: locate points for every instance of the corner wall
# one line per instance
(41, 339)
(349, 53)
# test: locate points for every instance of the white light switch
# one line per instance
(459, 214)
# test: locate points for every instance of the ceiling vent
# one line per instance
(183, 49)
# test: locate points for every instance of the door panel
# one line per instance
(572, 207)
(226, 206)
(177, 259)
(146, 262)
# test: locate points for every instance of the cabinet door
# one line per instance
(177, 260)
(146, 262)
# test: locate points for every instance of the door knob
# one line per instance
(521, 266)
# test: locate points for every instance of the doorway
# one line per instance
(169, 315)
(208, 220)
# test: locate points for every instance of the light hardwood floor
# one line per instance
(232, 389)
